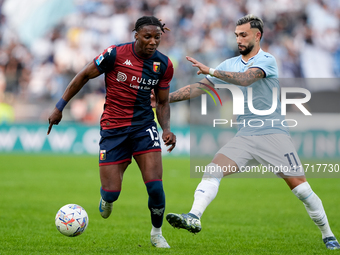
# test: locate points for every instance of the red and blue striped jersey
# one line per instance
(129, 80)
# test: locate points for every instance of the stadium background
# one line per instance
(44, 43)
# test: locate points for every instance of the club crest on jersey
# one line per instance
(102, 154)
(156, 66)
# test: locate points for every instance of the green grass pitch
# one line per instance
(248, 216)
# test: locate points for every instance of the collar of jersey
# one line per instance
(133, 50)
(246, 63)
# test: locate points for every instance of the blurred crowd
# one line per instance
(303, 36)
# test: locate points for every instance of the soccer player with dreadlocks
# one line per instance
(128, 129)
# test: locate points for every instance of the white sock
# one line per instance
(314, 207)
(156, 231)
(206, 191)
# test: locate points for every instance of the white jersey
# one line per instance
(262, 95)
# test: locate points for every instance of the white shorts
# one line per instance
(275, 152)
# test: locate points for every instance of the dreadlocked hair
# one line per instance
(149, 20)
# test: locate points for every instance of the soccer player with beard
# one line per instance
(269, 145)
(132, 70)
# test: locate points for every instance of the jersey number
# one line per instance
(154, 130)
(287, 155)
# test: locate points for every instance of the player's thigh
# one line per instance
(115, 146)
(227, 165)
(150, 165)
(234, 156)
(111, 176)
(146, 150)
(114, 157)
(278, 152)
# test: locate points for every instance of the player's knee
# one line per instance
(109, 195)
(213, 173)
(155, 191)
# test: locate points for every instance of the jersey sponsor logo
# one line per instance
(156, 67)
(99, 59)
(102, 154)
(249, 65)
(121, 77)
(127, 62)
(143, 81)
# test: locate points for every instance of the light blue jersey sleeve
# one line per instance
(267, 64)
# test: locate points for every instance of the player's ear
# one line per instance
(136, 36)
(258, 35)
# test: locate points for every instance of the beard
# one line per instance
(247, 49)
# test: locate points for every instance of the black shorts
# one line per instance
(120, 144)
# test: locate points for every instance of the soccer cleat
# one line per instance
(185, 221)
(105, 208)
(159, 241)
(331, 243)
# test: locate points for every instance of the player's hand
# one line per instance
(153, 99)
(203, 69)
(169, 139)
(54, 119)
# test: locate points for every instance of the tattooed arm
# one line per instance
(195, 90)
(242, 79)
(190, 91)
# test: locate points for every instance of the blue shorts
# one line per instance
(118, 145)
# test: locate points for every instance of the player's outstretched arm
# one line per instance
(190, 91)
(163, 116)
(90, 71)
(243, 79)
